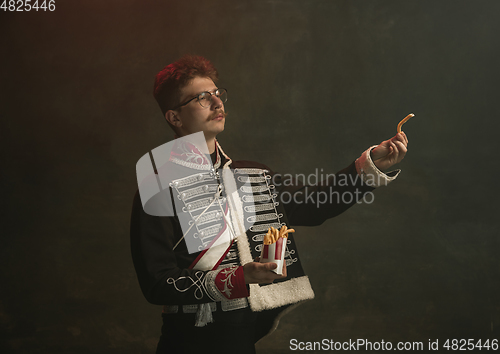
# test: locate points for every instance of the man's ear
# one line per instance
(173, 118)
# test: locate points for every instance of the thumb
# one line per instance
(270, 266)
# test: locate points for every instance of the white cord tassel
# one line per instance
(203, 315)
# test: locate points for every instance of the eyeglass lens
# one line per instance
(206, 97)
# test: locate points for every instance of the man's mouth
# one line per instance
(219, 116)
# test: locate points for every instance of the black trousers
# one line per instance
(231, 332)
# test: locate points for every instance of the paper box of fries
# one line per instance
(274, 246)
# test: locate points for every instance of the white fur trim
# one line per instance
(370, 174)
(280, 294)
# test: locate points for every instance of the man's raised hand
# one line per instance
(390, 152)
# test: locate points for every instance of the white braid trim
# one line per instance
(273, 295)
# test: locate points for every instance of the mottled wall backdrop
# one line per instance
(311, 85)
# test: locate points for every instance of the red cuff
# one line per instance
(231, 283)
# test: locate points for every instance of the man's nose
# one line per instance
(216, 102)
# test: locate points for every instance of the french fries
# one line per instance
(274, 247)
(274, 234)
(405, 119)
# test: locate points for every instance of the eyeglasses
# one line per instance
(205, 98)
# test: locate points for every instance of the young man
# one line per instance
(219, 297)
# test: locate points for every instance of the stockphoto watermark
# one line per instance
(309, 195)
(354, 345)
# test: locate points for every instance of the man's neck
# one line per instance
(211, 145)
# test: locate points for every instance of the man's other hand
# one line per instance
(261, 273)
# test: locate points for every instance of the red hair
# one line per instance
(175, 76)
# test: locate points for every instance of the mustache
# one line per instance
(218, 112)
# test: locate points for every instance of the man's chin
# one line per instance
(219, 125)
(220, 130)
(214, 131)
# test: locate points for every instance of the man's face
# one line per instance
(193, 117)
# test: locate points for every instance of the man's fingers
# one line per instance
(401, 146)
(399, 137)
(260, 273)
(269, 276)
(395, 150)
(406, 138)
(401, 151)
(270, 266)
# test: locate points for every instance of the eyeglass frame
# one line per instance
(198, 97)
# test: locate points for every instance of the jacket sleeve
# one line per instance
(313, 204)
(164, 274)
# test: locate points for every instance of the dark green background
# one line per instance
(311, 84)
